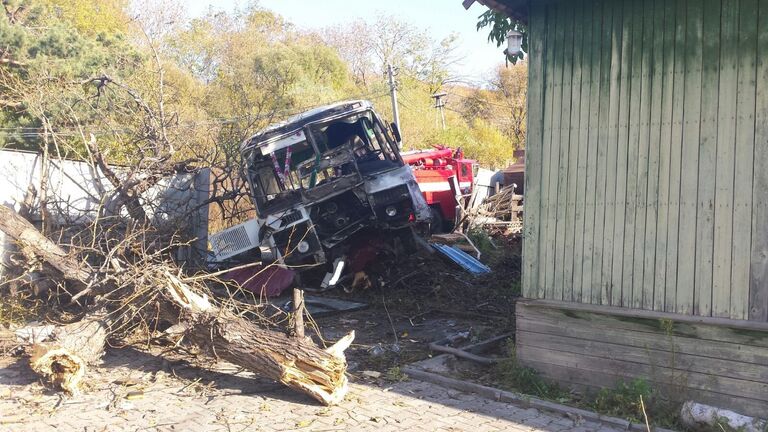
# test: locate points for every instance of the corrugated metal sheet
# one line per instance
(466, 261)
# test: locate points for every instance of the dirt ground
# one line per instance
(426, 299)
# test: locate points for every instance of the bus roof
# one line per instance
(297, 122)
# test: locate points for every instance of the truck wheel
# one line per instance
(436, 222)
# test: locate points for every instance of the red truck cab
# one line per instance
(438, 173)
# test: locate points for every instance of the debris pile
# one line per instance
(128, 287)
(501, 212)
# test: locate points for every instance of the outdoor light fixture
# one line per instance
(514, 43)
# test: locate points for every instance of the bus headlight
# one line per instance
(391, 211)
(302, 247)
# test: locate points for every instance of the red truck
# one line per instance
(439, 173)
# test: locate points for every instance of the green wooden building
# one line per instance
(646, 206)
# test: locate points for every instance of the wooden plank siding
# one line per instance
(593, 68)
(648, 126)
(594, 346)
(687, 299)
(567, 48)
(620, 199)
(613, 158)
(743, 164)
(726, 134)
(707, 161)
(573, 157)
(758, 265)
(533, 168)
(664, 221)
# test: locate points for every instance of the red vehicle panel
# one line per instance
(435, 171)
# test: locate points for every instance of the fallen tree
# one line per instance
(63, 357)
(134, 293)
(295, 362)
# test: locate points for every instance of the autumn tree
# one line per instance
(71, 69)
(510, 85)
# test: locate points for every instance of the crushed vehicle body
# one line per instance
(322, 182)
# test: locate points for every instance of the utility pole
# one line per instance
(439, 104)
(393, 93)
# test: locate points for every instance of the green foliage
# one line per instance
(46, 44)
(624, 399)
(499, 25)
(92, 16)
(314, 73)
(667, 325)
(50, 58)
(395, 374)
(479, 140)
(197, 49)
(482, 241)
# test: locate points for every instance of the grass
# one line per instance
(395, 374)
(623, 400)
(512, 375)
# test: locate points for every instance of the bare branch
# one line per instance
(10, 62)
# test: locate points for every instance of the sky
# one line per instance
(438, 17)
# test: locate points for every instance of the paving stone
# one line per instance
(406, 406)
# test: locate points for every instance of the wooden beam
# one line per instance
(638, 313)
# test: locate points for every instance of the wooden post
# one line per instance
(298, 313)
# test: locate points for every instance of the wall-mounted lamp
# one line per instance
(514, 43)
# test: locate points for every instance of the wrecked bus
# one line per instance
(325, 184)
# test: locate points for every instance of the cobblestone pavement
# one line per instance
(136, 391)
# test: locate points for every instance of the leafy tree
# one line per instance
(479, 140)
(390, 40)
(500, 25)
(146, 77)
(92, 17)
(44, 62)
(197, 48)
(509, 102)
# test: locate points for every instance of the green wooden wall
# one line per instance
(647, 151)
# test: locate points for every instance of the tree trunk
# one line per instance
(38, 248)
(63, 359)
(297, 363)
